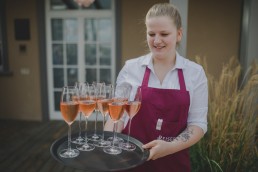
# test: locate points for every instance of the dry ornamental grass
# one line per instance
(231, 141)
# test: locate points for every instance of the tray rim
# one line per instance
(124, 136)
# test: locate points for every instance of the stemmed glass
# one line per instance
(79, 140)
(108, 91)
(121, 94)
(69, 109)
(116, 110)
(87, 104)
(99, 95)
(132, 106)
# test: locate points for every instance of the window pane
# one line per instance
(104, 30)
(105, 75)
(72, 75)
(57, 97)
(70, 4)
(90, 27)
(90, 54)
(58, 78)
(100, 4)
(57, 29)
(105, 54)
(91, 75)
(71, 29)
(57, 54)
(71, 52)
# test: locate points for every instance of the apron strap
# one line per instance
(146, 76)
(181, 79)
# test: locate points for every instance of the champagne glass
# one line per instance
(121, 95)
(99, 95)
(103, 108)
(116, 110)
(69, 109)
(79, 140)
(132, 106)
(87, 104)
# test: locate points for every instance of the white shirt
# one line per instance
(195, 81)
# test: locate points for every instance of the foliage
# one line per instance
(230, 143)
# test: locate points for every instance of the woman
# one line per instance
(173, 114)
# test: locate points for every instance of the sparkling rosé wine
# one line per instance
(87, 106)
(69, 111)
(132, 107)
(116, 110)
(120, 99)
(103, 105)
(97, 99)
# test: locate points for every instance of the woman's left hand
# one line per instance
(158, 149)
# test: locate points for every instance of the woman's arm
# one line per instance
(160, 148)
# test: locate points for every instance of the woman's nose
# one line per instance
(157, 39)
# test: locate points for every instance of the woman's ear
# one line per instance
(179, 34)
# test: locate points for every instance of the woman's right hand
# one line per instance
(158, 149)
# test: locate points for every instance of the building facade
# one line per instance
(47, 44)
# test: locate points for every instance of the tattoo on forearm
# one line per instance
(185, 135)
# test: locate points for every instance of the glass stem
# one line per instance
(95, 132)
(114, 137)
(80, 124)
(86, 129)
(129, 130)
(103, 126)
(69, 138)
(115, 129)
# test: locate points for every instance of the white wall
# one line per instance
(182, 6)
(252, 41)
(249, 37)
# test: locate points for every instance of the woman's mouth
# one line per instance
(159, 47)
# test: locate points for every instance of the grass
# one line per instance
(230, 143)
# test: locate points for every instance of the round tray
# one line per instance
(98, 160)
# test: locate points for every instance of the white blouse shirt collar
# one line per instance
(180, 63)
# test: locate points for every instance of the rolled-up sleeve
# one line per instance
(199, 103)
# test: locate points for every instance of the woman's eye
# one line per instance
(164, 34)
(151, 34)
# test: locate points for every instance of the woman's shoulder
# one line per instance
(194, 70)
(138, 60)
(189, 64)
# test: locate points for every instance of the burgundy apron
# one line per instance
(163, 115)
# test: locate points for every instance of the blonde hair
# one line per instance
(165, 9)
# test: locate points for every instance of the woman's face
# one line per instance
(162, 36)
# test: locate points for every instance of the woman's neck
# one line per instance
(166, 62)
(162, 66)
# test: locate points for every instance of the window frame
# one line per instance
(4, 67)
(50, 14)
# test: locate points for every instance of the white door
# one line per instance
(80, 46)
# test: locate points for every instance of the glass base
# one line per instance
(113, 150)
(116, 141)
(69, 154)
(95, 137)
(79, 140)
(85, 147)
(102, 143)
(128, 146)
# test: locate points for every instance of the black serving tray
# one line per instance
(98, 160)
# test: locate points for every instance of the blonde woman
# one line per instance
(173, 114)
